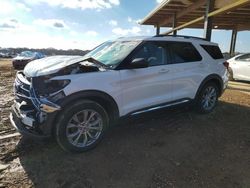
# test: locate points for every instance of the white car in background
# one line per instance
(239, 67)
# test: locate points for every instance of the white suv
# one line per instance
(76, 99)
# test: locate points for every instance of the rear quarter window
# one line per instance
(213, 51)
(183, 52)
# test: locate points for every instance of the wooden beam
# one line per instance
(214, 13)
(208, 22)
(222, 3)
(153, 12)
(174, 24)
(223, 26)
(183, 12)
(157, 30)
(242, 27)
(233, 42)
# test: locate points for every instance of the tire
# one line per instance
(81, 126)
(230, 72)
(207, 98)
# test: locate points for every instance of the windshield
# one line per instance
(112, 53)
(27, 54)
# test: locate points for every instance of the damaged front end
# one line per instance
(39, 90)
(34, 107)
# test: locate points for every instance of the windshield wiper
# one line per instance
(92, 60)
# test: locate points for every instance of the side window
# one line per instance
(153, 52)
(245, 57)
(183, 52)
(213, 51)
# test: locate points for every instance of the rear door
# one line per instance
(186, 69)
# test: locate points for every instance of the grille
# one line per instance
(21, 89)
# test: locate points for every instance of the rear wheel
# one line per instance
(207, 98)
(81, 126)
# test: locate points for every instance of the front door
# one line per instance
(145, 87)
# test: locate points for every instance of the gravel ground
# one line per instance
(166, 148)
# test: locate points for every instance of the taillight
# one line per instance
(226, 64)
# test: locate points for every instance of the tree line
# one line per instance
(46, 51)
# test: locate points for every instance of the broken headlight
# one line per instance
(53, 86)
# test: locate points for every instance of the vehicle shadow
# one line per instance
(165, 148)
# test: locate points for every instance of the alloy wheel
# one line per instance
(84, 128)
(209, 98)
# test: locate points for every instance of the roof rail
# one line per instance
(183, 36)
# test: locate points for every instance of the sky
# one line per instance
(83, 24)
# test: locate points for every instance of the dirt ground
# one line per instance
(166, 148)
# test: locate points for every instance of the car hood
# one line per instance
(49, 65)
(20, 58)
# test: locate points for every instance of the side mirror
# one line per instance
(138, 63)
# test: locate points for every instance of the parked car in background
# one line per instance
(6, 54)
(239, 67)
(24, 58)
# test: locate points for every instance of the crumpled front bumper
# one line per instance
(29, 126)
(17, 122)
(31, 115)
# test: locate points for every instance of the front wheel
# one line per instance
(207, 98)
(81, 126)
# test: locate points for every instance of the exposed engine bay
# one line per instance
(44, 86)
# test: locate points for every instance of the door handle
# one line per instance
(163, 71)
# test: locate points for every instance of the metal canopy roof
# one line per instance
(227, 14)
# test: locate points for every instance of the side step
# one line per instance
(161, 106)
